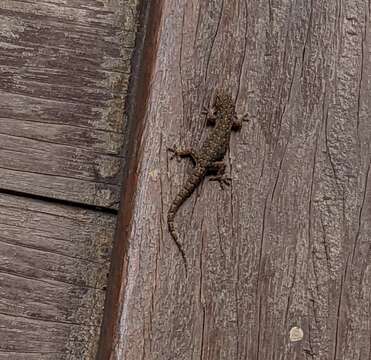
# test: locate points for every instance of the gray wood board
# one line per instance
(64, 71)
(287, 247)
(54, 262)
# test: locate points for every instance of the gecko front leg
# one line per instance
(190, 153)
(209, 112)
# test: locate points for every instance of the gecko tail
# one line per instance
(174, 235)
(191, 184)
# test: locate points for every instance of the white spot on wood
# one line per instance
(296, 334)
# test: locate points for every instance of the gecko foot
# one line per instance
(223, 181)
(176, 152)
(210, 115)
(173, 150)
(238, 120)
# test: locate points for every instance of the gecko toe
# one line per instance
(173, 151)
(223, 181)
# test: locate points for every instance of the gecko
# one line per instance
(209, 158)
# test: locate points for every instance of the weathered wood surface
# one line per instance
(54, 262)
(288, 244)
(64, 70)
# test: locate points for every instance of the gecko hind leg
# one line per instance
(190, 153)
(219, 168)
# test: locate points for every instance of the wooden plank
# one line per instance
(64, 72)
(28, 356)
(53, 273)
(279, 262)
(104, 195)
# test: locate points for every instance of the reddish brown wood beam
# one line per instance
(143, 63)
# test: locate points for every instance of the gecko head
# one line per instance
(223, 102)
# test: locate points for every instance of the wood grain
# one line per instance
(288, 244)
(53, 273)
(64, 72)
